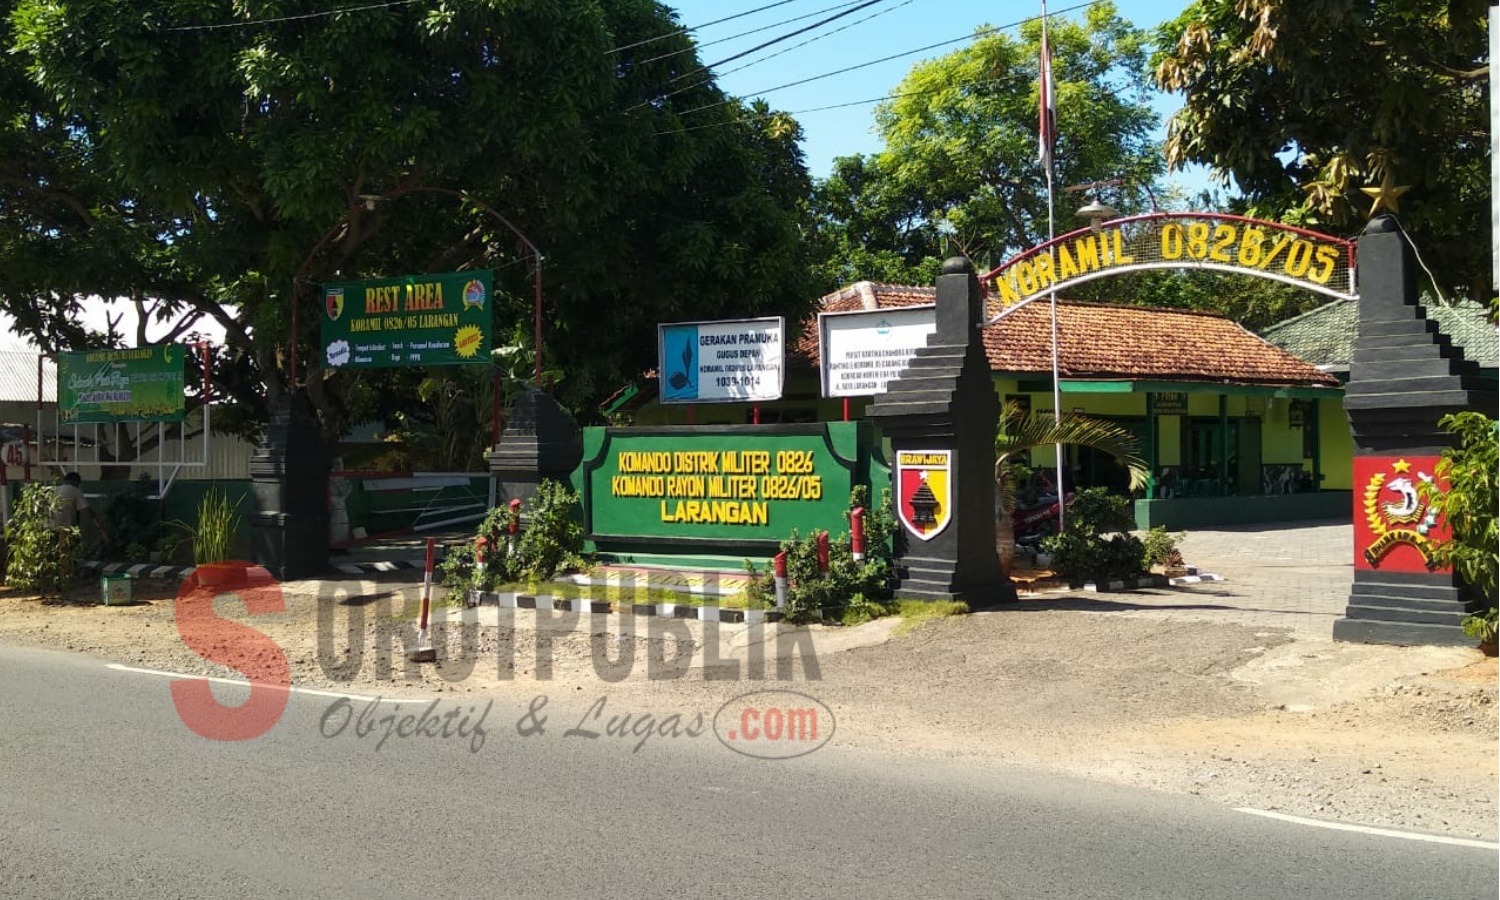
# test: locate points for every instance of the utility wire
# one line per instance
(662, 37)
(756, 62)
(791, 34)
(732, 37)
(815, 38)
(299, 17)
(983, 32)
(799, 112)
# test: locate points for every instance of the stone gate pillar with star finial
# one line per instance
(940, 417)
(1405, 375)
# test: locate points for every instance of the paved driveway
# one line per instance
(1293, 576)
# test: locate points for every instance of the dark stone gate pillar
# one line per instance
(289, 478)
(940, 416)
(1404, 377)
(541, 442)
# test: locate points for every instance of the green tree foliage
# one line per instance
(1471, 502)
(239, 163)
(1302, 104)
(959, 173)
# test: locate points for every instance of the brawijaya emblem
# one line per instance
(1397, 513)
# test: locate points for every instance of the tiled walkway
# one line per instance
(1294, 576)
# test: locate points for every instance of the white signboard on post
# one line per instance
(864, 351)
(730, 361)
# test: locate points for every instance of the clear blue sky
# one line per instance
(892, 27)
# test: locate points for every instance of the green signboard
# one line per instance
(140, 385)
(721, 485)
(416, 320)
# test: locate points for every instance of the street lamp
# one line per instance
(1096, 211)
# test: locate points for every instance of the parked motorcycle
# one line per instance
(1038, 520)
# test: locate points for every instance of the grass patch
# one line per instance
(916, 613)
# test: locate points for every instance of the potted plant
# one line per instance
(213, 538)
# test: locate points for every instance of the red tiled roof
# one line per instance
(1101, 341)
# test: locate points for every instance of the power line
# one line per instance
(983, 32)
(662, 37)
(782, 52)
(732, 37)
(788, 36)
(815, 39)
(801, 112)
(299, 17)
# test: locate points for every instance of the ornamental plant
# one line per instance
(851, 591)
(1096, 543)
(550, 543)
(218, 523)
(40, 558)
(1469, 507)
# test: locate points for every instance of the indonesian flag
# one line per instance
(1047, 129)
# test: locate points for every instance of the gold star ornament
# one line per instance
(1387, 196)
(1402, 466)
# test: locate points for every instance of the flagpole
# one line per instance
(1047, 112)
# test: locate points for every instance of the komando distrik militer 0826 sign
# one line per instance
(416, 320)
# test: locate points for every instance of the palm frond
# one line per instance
(1019, 431)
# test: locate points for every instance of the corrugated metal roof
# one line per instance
(18, 377)
(1325, 336)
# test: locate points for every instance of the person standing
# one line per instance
(69, 501)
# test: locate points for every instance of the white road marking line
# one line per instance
(281, 687)
(1367, 829)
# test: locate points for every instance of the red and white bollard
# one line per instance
(778, 567)
(514, 527)
(823, 551)
(857, 533)
(425, 652)
(482, 557)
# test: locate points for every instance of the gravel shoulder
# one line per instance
(1162, 691)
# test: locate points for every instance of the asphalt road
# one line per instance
(105, 793)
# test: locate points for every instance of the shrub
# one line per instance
(1095, 544)
(41, 558)
(850, 591)
(1161, 547)
(130, 516)
(1469, 507)
(550, 542)
(1469, 504)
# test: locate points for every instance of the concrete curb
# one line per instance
(137, 570)
(1204, 578)
(547, 603)
(152, 570)
(1128, 584)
